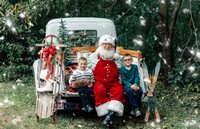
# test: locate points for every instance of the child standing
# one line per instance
(83, 73)
(130, 80)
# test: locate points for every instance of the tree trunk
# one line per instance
(80, 8)
(172, 29)
(164, 33)
(167, 34)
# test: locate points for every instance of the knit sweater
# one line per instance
(81, 75)
(130, 77)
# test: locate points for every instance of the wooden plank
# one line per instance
(74, 50)
(44, 105)
(51, 102)
(39, 108)
(122, 51)
(132, 52)
(47, 105)
(48, 99)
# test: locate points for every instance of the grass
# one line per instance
(178, 108)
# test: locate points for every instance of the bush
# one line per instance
(183, 77)
(12, 72)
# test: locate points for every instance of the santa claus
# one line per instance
(108, 91)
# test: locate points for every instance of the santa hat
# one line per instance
(106, 39)
(109, 39)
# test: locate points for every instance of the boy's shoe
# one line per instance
(88, 108)
(132, 112)
(137, 113)
(84, 109)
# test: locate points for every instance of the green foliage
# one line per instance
(82, 39)
(13, 72)
(185, 41)
(183, 77)
(74, 39)
(17, 46)
(64, 40)
(139, 30)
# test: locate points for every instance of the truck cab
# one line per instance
(93, 26)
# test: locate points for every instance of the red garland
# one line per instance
(48, 52)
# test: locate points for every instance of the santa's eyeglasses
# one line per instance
(127, 60)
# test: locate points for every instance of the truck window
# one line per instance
(83, 38)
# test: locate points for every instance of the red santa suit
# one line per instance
(108, 91)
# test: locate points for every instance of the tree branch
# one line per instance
(127, 10)
(173, 18)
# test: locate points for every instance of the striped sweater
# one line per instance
(78, 75)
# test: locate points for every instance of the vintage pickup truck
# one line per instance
(68, 100)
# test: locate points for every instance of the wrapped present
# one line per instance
(85, 54)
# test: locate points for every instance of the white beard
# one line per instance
(105, 54)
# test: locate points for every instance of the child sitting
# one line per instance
(130, 80)
(79, 75)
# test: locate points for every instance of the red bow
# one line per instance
(48, 52)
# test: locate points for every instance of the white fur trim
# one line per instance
(102, 109)
(117, 107)
(106, 39)
(116, 56)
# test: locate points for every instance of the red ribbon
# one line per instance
(48, 52)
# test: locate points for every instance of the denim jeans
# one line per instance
(134, 96)
(85, 95)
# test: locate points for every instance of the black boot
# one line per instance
(112, 122)
(108, 119)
